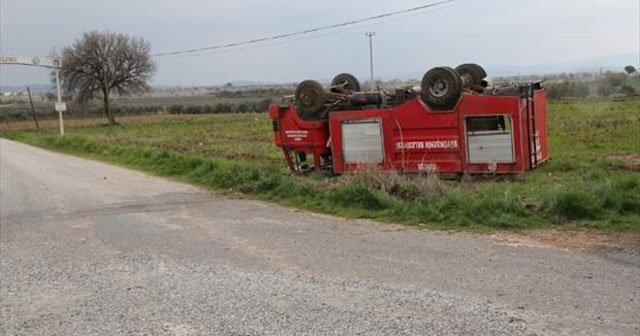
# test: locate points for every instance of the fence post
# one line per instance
(33, 110)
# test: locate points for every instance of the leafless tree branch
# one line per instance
(102, 62)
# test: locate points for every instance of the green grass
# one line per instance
(591, 181)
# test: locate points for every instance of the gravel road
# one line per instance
(92, 249)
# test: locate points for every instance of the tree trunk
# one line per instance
(107, 107)
(105, 97)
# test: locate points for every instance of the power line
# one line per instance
(303, 32)
(304, 37)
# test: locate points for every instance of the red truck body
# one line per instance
(483, 133)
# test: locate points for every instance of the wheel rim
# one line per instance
(344, 84)
(346, 81)
(309, 98)
(439, 88)
(305, 99)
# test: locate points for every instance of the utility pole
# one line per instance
(370, 36)
(59, 106)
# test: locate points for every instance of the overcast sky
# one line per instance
(494, 33)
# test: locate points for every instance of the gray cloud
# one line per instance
(491, 32)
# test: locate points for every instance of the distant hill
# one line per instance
(250, 83)
(590, 65)
(35, 88)
(606, 63)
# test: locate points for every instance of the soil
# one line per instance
(584, 240)
(630, 162)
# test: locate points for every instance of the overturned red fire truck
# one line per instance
(453, 123)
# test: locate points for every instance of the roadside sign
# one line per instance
(61, 107)
(44, 62)
(30, 60)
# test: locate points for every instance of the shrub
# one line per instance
(567, 89)
(405, 187)
(574, 204)
(176, 109)
(361, 196)
(628, 90)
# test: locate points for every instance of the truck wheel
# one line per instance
(310, 98)
(441, 88)
(473, 72)
(346, 81)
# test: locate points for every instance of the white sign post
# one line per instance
(60, 106)
(45, 63)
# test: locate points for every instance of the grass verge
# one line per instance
(591, 181)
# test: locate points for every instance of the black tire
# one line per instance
(347, 81)
(310, 98)
(474, 72)
(441, 88)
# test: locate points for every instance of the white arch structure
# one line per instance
(44, 62)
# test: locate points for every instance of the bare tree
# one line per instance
(106, 62)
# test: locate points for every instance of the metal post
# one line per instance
(61, 121)
(33, 110)
(370, 36)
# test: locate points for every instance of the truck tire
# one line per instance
(347, 81)
(310, 98)
(441, 88)
(472, 71)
